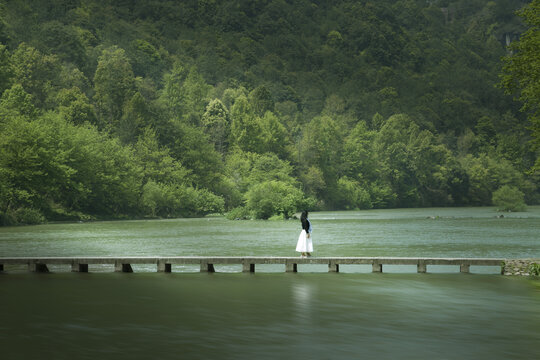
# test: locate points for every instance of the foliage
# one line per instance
(534, 269)
(521, 71)
(239, 213)
(22, 216)
(114, 84)
(216, 124)
(508, 198)
(273, 197)
(351, 195)
(260, 109)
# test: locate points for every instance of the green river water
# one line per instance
(312, 314)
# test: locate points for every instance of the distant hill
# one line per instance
(260, 106)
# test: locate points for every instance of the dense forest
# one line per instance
(259, 108)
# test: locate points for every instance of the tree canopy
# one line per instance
(262, 108)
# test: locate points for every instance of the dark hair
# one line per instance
(304, 215)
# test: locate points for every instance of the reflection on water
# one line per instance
(275, 315)
(268, 316)
(302, 300)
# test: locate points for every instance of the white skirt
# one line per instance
(304, 243)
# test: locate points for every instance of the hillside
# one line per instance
(113, 109)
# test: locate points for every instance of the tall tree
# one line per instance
(36, 72)
(75, 107)
(521, 71)
(185, 94)
(5, 69)
(217, 124)
(114, 84)
(245, 127)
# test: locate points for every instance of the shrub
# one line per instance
(534, 269)
(239, 213)
(508, 198)
(22, 216)
(273, 198)
(352, 196)
(173, 200)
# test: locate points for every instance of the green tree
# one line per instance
(156, 161)
(273, 198)
(358, 158)
(108, 177)
(247, 171)
(33, 163)
(66, 171)
(312, 180)
(5, 69)
(75, 107)
(195, 99)
(352, 196)
(186, 94)
(37, 73)
(487, 174)
(420, 171)
(274, 135)
(261, 100)
(322, 146)
(172, 95)
(147, 60)
(64, 41)
(16, 101)
(247, 168)
(136, 115)
(521, 70)
(217, 124)
(508, 198)
(191, 146)
(114, 85)
(245, 127)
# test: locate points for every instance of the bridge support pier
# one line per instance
(464, 268)
(77, 267)
(40, 268)
(164, 267)
(119, 267)
(333, 267)
(206, 267)
(247, 267)
(421, 268)
(291, 267)
(377, 268)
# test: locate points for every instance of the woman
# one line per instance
(305, 245)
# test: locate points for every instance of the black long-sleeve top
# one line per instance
(305, 225)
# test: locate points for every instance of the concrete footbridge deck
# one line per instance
(206, 263)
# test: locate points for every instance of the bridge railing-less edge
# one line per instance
(206, 263)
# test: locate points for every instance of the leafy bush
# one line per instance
(204, 202)
(509, 198)
(352, 196)
(239, 213)
(273, 197)
(172, 200)
(534, 269)
(22, 216)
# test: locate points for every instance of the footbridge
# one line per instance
(248, 263)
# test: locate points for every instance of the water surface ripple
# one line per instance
(312, 314)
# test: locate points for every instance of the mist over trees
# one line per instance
(128, 109)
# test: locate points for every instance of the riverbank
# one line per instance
(521, 267)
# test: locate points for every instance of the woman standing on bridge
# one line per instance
(305, 245)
